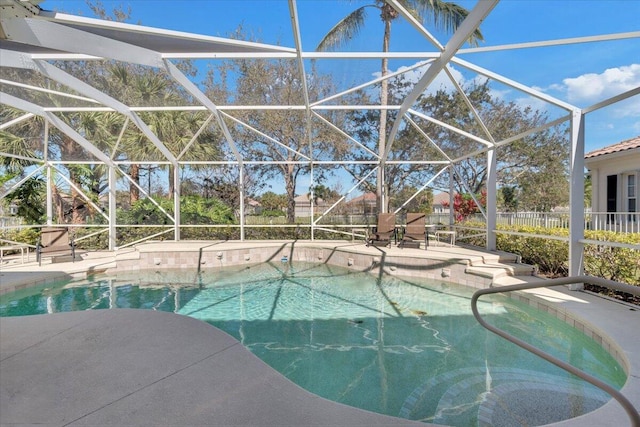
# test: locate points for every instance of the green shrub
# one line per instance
(549, 255)
(552, 256)
(472, 237)
(621, 264)
(273, 213)
(24, 235)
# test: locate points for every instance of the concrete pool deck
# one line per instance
(66, 369)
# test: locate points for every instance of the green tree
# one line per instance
(271, 201)
(537, 161)
(325, 193)
(22, 146)
(15, 152)
(28, 198)
(544, 189)
(442, 15)
(509, 196)
(278, 82)
(588, 190)
(422, 202)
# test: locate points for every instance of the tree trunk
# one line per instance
(77, 206)
(172, 172)
(134, 192)
(290, 185)
(67, 147)
(382, 206)
(57, 204)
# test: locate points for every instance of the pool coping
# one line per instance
(598, 317)
(129, 367)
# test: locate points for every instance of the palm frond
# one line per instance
(10, 143)
(345, 30)
(445, 16)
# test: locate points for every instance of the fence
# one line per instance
(7, 222)
(620, 222)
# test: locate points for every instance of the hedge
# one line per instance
(552, 256)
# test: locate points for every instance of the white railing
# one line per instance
(632, 412)
(621, 222)
(9, 221)
(534, 219)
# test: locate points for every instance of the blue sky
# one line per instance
(579, 74)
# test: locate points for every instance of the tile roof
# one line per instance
(367, 197)
(615, 148)
(440, 197)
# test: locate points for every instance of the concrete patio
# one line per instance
(129, 367)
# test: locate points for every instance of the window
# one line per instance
(631, 196)
(612, 197)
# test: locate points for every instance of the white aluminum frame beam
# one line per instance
(346, 135)
(44, 90)
(16, 121)
(612, 100)
(555, 42)
(471, 107)
(462, 34)
(512, 83)
(415, 23)
(17, 184)
(428, 138)
(576, 197)
(451, 128)
(252, 48)
(321, 102)
(20, 60)
(23, 105)
(81, 192)
(248, 55)
(425, 185)
(295, 27)
(264, 135)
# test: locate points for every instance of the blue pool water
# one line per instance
(398, 346)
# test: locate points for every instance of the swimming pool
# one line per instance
(403, 347)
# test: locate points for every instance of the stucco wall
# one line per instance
(612, 164)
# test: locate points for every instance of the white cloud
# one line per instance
(592, 87)
(533, 102)
(554, 86)
(628, 108)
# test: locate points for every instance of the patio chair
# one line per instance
(55, 241)
(415, 232)
(384, 231)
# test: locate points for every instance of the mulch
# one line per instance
(621, 296)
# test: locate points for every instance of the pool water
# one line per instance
(400, 346)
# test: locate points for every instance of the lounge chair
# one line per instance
(415, 231)
(384, 231)
(55, 241)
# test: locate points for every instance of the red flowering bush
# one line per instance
(464, 205)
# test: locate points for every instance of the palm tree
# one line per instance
(443, 15)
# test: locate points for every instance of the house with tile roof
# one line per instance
(615, 180)
(364, 204)
(303, 206)
(441, 203)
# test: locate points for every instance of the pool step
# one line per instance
(499, 264)
(495, 270)
(494, 258)
(498, 397)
